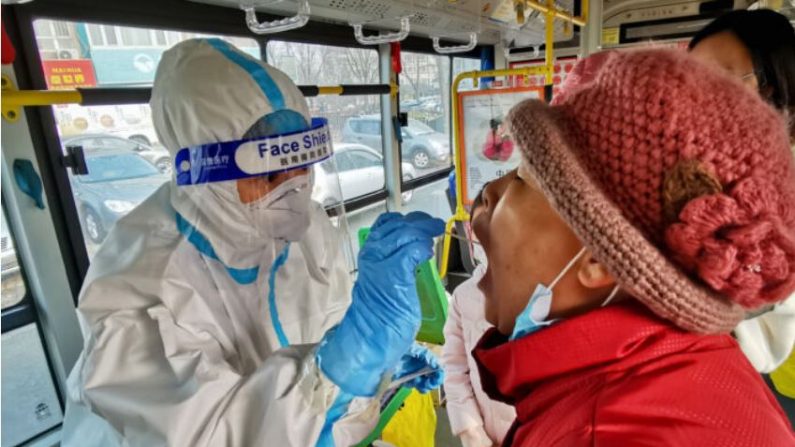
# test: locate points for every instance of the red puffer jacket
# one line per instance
(620, 376)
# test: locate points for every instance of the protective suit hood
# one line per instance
(206, 91)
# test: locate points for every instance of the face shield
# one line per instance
(256, 195)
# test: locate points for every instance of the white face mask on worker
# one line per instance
(284, 212)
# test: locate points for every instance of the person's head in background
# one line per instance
(757, 47)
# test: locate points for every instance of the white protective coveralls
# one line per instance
(179, 353)
(767, 340)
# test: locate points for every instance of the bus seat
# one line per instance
(464, 228)
(461, 263)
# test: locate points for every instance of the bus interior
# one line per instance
(79, 150)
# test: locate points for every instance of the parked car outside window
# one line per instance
(422, 146)
(157, 156)
(360, 170)
(117, 181)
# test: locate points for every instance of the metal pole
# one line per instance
(390, 144)
(592, 34)
(550, 8)
(549, 54)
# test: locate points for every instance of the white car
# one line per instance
(361, 172)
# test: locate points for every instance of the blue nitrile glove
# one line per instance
(417, 359)
(384, 315)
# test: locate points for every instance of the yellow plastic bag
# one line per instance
(784, 377)
(414, 425)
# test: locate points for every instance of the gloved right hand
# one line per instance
(419, 358)
(384, 316)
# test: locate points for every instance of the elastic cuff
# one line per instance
(345, 369)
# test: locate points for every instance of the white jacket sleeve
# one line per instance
(155, 392)
(768, 339)
(462, 408)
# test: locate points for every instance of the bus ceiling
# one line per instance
(462, 24)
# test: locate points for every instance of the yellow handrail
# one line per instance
(550, 8)
(21, 98)
(461, 214)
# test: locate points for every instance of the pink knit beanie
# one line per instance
(677, 177)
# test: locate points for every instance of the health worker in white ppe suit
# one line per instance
(220, 311)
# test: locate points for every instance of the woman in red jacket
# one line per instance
(654, 207)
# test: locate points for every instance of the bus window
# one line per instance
(355, 120)
(122, 170)
(424, 95)
(76, 54)
(113, 137)
(462, 65)
(323, 64)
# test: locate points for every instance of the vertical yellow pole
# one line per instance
(461, 214)
(584, 10)
(459, 174)
(448, 229)
(460, 211)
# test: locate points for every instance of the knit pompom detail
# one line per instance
(737, 244)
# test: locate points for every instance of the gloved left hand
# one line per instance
(417, 359)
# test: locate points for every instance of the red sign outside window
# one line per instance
(69, 73)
